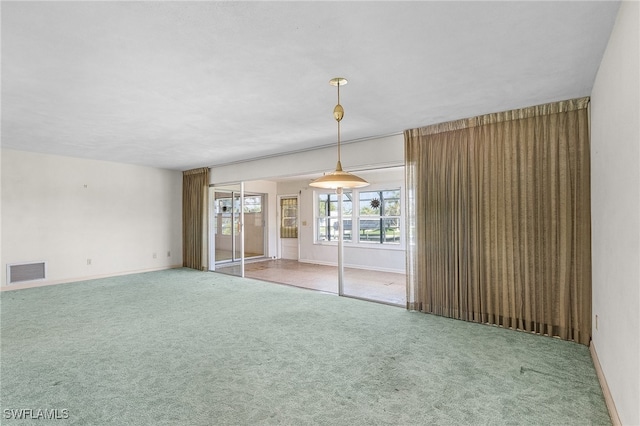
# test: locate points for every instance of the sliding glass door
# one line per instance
(237, 228)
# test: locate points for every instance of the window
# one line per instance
(327, 216)
(228, 210)
(224, 214)
(379, 217)
(253, 204)
(369, 217)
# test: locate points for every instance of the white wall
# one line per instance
(615, 210)
(365, 154)
(66, 210)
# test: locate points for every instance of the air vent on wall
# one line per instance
(21, 272)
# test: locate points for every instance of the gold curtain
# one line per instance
(499, 219)
(195, 190)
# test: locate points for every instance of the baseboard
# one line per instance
(87, 278)
(608, 399)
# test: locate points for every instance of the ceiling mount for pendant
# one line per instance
(339, 178)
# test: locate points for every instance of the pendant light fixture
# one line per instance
(339, 178)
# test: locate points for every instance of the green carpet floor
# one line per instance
(182, 347)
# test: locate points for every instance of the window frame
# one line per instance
(380, 218)
(355, 217)
(328, 216)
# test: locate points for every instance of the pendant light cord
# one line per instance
(338, 124)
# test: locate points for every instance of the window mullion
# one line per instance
(381, 211)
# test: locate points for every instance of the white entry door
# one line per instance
(288, 224)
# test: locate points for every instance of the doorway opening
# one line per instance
(237, 228)
(299, 247)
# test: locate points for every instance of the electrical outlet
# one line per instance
(88, 261)
(155, 255)
(596, 322)
(168, 254)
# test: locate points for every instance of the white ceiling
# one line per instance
(188, 84)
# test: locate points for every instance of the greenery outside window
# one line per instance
(369, 216)
(379, 217)
(327, 216)
(253, 204)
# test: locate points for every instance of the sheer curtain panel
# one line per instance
(499, 219)
(195, 185)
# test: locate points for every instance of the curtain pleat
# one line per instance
(499, 219)
(195, 185)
